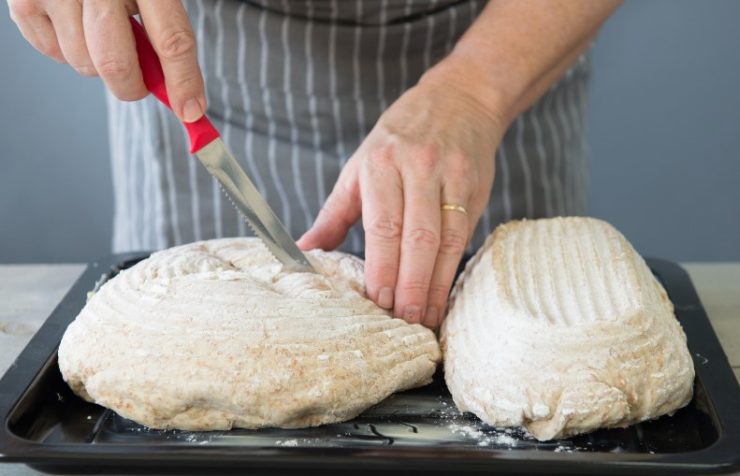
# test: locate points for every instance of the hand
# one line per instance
(436, 144)
(95, 38)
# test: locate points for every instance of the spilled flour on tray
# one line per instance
(563, 449)
(286, 443)
(483, 438)
(196, 439)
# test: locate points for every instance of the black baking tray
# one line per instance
(46, 426)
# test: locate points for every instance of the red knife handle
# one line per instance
(201, 132)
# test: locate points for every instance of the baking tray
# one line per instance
(44, 425)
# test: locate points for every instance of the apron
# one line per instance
(294, 87)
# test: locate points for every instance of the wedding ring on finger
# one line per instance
(454, 207)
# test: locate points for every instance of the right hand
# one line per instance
(95, 38)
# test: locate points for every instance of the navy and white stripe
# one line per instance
(294, 87)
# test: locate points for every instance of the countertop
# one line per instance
(28, 293)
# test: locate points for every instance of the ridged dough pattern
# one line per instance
(559, 326)
(215, 334)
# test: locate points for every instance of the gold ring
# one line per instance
(454, 207)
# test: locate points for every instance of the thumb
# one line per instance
(340, 211)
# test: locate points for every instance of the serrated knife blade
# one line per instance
(248, 200)
(206, 144)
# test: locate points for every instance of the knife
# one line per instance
(206, 144)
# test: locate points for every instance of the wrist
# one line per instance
(462, 72)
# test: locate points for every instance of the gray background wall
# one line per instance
(664, 130)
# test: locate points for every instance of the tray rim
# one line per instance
(720, 457)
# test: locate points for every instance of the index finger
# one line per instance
(381, 190)
(110, 42)
(168, 28)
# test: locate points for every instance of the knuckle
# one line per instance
(453, 242)
(438, 294)
(51, 50)
(381, 156)
(426, 161)
(422, 238)
(473, 181)
(461, 175)
(414, 290)
(330, 213)
(115, 69)
(175, 44)
(23, 8)
(380, 273)
(347, 184)
(184, 83)
(460, 167)
(386, 228)
(86, 70)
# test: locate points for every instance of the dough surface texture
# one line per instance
(559, 326)
(215, 334)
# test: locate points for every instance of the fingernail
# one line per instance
(431, 316)
(412, 314)
(192, 110)
(385, 298)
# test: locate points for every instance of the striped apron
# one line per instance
(294, 87)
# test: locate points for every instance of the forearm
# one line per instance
(516, 49)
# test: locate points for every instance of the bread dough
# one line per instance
(559, 326)
(215, 335)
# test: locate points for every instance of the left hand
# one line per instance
(436, 144)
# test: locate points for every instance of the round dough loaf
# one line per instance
(215, 335)
(559, 326)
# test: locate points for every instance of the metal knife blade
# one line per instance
(206, 144)
(248, 200)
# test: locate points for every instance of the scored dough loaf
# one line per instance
(215, 334)
(559, 326)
